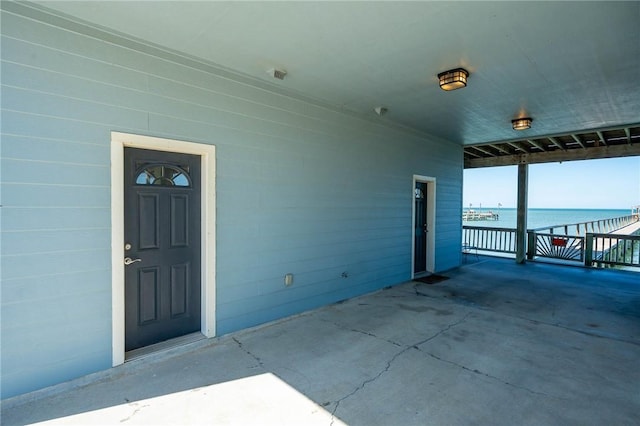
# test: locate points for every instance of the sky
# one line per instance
(612, 183)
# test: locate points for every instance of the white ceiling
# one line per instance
(569, 65)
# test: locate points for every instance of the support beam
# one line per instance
(497, 147)
(557, 143)
(577, 139)
(468, 152)
(628, 133)
(521, 227)
(489, 153)
(612, 151)
(518, 146)
(602, 138)
(537, 145)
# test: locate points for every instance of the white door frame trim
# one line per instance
(208, 228)
(431, 222)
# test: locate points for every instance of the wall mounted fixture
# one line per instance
(453, 79)
(521, 123)
(288, 279)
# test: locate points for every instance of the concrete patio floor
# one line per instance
(496, 344)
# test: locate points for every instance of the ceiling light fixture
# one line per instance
(521, 123)
(453, 79)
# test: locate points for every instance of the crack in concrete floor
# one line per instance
(391, 361)
(135, 411)
(457, 300)
(417, 345)
(476, 371)
(355, 330)
(248, 352)
(404, 349)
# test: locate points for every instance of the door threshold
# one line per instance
(162, 346)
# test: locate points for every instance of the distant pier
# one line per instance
(472, 215)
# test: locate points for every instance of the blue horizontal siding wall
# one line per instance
(301, 188)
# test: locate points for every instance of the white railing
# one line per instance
(612, 250)
(502, 240)
(589, 243)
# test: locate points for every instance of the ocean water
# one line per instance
(539, 218)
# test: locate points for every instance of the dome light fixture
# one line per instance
(521, 123)
(453, 79)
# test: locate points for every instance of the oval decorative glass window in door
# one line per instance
(163, 175)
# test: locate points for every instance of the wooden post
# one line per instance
(531, 245)
(521, 228)
(588, 250)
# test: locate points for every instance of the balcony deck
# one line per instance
(496, 343)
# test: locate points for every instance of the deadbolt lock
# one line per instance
(127, 246)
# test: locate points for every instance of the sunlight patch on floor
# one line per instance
(263, 399)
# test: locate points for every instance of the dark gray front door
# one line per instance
(420, 234)
(162, 246)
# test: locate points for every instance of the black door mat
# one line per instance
(431, 279)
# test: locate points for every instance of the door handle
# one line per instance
(129, 261)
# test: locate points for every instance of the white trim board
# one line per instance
(208, 155)
(431, 222)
